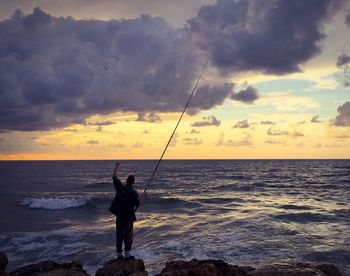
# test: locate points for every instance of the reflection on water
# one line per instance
(245, 212)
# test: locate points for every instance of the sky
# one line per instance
(103, 79)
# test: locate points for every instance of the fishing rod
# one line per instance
(178, 122)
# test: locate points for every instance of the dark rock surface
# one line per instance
(220, 268)
(49, 268)
(203, 268)
(299, 269)
(122, 268)
(3, 261)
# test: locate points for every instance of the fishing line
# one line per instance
(178, 122)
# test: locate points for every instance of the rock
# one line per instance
(3, 261)
(220, 268)
(49, 268)
(122, 268)
(299, 269)
(203, 268)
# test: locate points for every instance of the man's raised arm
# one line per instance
(116, 180)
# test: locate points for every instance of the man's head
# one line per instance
(130, 180)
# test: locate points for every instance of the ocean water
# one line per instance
(246, 212)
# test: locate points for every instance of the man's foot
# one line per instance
(129, 257)
(119, 256)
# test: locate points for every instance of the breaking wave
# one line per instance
(55, 203)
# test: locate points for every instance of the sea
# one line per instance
(245, 212)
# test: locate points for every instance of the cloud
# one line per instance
(296, 134)
(343, 63)
(277, 132)
(347, 20)
(207, 121)
(92, 142)
(343, 119)
(267, 123)
(242, 124)
(248, 95)
(150, 117)
(174, 139)
(194, 131)
(342, 136)
(286, 101)
(192, 141)
(246, 141)
(269, 36)
(208, 96)
(343, 60)
(275, 142)
(315, 119)
(102, 123)
(55, 71)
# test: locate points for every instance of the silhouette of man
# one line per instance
(123, 207)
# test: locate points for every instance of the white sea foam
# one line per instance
(55, 203)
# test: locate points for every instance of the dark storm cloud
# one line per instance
(269, 36)
(58, 71)
(343, 119)
(347, 20)
(248, 95)
(343, 60)
(207, 121)
(208, 96)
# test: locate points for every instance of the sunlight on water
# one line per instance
(244, 212)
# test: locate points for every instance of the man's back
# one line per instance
(126, 200)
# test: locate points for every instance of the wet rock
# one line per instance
(3, 261)
(220, 268)
(203, 268)
(299, 269)
(49, 268)
(122, 268)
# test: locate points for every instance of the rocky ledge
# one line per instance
(221, 268)
(174, 268)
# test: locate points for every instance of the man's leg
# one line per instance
(129, 233)
(119, 238)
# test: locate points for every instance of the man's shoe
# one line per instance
(130, 257)
(120, 257)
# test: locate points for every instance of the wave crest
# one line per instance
(55, 203)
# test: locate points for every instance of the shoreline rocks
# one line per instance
(174, 268)
(3, 261)
(49, 268)
(122, 268)
(221, 268)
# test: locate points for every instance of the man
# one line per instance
(123, 207)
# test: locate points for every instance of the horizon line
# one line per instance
(175, 159)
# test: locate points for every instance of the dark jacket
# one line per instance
(124, 202)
